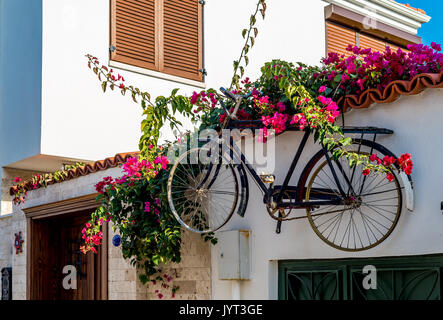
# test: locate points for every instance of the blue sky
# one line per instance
(433, 30)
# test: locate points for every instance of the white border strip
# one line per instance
(156, 74)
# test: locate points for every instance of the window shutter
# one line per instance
(338, 38)
(133, 32)
(369, 42)
(182, 39)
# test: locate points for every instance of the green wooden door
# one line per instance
(401, 278)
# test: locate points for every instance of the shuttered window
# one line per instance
(159, 35)
(369, 42)
(339, 37)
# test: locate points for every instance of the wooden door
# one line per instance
(55, 244)
(85, 265)
(43, 264)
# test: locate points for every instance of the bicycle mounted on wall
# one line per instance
(347, 210)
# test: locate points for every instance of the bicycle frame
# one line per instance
(269, 190)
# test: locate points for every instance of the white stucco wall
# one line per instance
(79, 121)
(416, 121)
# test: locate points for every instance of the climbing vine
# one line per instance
(249, 34)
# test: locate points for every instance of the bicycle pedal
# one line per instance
(267, 178)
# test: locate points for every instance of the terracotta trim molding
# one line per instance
(85, 170)
(393, 91)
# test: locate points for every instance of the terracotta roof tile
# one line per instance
(416, 9)
(393, 91)
(93, 167)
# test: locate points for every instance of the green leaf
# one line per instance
(243, 33)
(174, 91)
(104, 85)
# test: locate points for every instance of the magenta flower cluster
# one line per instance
(366, 68)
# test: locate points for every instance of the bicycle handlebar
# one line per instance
(228, 94)
(236, 98)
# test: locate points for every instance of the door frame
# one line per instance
(61, 208)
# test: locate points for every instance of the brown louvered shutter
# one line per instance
(182, 39)
(338, 38)
(372, 43)
(160, 35)
(133, 32)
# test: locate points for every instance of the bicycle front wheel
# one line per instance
(202, 190)
(370, 208)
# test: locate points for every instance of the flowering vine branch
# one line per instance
(40, 180)
(249, 43)
(156, 112)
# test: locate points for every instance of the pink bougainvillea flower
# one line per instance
(163, 161)
(387, 161)
(194, 97)
(264, 100)
(281, 106)
(17, 180)
(373, 157)
(351, 68)
(366, 172)
(322, 89)
(390, 177)
(435, 46)
(147, 207)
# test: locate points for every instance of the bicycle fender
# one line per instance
(244, 193)
(409, 191)
(407, 180)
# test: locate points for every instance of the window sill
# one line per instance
(156, 74)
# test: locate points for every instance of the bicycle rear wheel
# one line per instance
(370, 210)
(202, 190)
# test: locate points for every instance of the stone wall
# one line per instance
(18, 224)
(121, 275)
(192, 275)
(6, 241)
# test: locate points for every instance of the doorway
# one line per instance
(55, 259)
